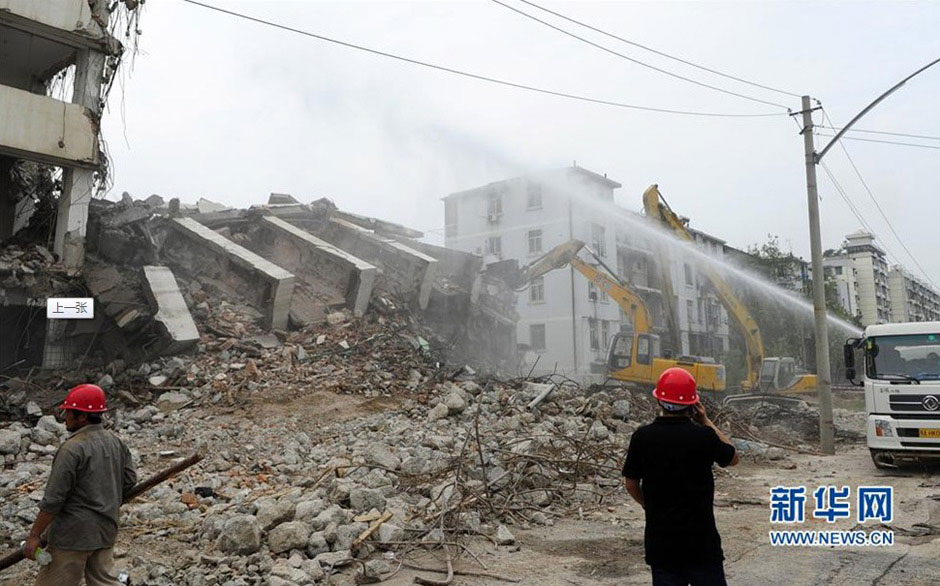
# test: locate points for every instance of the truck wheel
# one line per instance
(877, 459)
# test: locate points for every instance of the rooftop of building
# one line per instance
(573, 169)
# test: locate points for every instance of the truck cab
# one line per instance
(900, 373)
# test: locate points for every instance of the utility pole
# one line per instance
(823, 376)
(826, 428)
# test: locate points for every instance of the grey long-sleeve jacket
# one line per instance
(91, 473)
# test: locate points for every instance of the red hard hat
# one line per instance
(676, 385)
(87, 398)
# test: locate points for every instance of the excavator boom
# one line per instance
(657, 208)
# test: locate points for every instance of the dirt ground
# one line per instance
(606, 548)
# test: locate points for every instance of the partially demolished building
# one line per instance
(155, 267)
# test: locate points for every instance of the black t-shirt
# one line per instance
(672, 458)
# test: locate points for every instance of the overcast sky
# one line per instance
(230, 110)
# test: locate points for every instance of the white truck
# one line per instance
(900, 371)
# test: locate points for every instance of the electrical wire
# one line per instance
(478, 76)
(848, 201)
(923, 136)
(660, 53)
(909, 144)
(880, 210)
(856, 212)
(637, 61)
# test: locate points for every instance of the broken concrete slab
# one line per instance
(206, 206)
(281, 199)
(170, 309)
(407, 270)
(353, 276)
(277, 283)
(129, 216)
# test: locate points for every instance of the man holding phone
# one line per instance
(668, 470)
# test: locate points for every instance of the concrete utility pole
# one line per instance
(826, 429)
(823, 376)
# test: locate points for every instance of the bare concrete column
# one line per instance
(78, 184)
(7, 205)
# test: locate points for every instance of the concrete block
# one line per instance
(170, 309)
(33, 127)
(406, 269)
(279, 282)
(351, 275)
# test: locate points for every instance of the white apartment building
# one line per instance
(564, 320)
(911, 298)
(860, 273)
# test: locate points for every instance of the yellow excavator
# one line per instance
(765, 374)
(631, 356)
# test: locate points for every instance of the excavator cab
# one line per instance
(630, 351)
(780, 374)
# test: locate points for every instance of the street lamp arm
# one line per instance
(835, 139)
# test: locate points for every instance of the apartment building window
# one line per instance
(537, 336)
(701, 312)
(593, 334)
(494, 245)
(592, 292)
(605, 333)
(598, 239)
(688, 275)
(690, 311)
(535, 241)
(537, 290)
(450, 217)
(494, 205)
(533, 200)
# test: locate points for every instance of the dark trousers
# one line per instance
(712, 574)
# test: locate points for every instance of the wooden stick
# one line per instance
(446, 581)
(368, 532)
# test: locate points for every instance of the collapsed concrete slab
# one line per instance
(170, 310)
(318, 262)
(407, 271)
(208, 253)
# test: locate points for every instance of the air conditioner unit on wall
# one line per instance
(493, 218)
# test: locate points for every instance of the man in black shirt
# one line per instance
(668, 471)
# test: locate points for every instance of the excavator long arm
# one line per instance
(567, 253)
(656, 208)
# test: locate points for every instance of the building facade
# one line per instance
(565, 322)
(911, 298)
(860, 273)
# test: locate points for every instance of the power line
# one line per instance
(923, 136)
(637, 61)
(474, 75)
(660, 53)
(855, 211)
(880, 210)
(910, 144)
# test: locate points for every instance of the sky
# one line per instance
(218, 107)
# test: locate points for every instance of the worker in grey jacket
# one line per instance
(91, 474)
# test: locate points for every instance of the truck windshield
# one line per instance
(912, 356)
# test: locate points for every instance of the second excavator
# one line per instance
(632, 356)
(765, 374)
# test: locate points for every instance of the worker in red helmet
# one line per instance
(91, 473)
(668, 470)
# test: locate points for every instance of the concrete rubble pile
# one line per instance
(280, 498)
(313, 437)
(155, 268)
